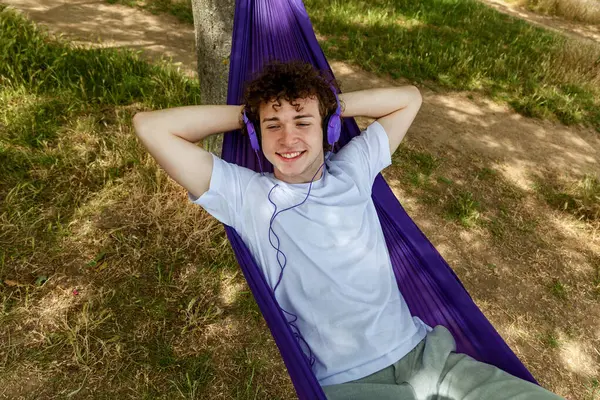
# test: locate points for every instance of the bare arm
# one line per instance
(170, 136)
(395, 108)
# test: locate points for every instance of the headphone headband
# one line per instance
(251, 133)
(334, 125)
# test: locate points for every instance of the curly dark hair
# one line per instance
(289, 81)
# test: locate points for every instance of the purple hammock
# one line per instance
(280, 29)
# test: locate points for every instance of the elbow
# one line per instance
(416, 94)
(140, 122)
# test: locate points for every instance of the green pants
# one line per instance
(433, 371)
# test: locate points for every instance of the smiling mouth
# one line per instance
(291, 156)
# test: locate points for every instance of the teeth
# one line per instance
(291, 155)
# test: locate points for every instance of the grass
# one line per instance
(111, 284)
(578, 197)
(419, 166)
(594, 389)
(558, 289)
(483, 199)
(551, 341)
(419, 176)
(247, 306)
(464, 208)
(595, 263)
(466, 46)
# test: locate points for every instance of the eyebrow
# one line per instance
(296, 117)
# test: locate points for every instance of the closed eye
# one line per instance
(277, 126)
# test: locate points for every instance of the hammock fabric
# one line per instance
(264, 30)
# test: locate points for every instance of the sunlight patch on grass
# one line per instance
(518, 173)
(231, 285)
(50, 312)
(578, 358)
(518, 330)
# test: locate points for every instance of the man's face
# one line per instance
(292, 140)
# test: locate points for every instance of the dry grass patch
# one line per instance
(577, 10)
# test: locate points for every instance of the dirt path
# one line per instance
(99, 24)
(466, 131)
(577, 30)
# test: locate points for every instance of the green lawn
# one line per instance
(111, 286)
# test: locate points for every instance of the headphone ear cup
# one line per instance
(334, 128)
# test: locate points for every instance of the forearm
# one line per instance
(170, 136)
(379, 102)
(191, 123)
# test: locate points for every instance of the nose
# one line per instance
(288, 137)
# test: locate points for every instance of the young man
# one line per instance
(325, 256)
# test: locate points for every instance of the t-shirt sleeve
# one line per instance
(224, 198)
(366, 155)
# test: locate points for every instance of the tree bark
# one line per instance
(213, 24)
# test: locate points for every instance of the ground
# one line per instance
(577, 30)
(531, 268)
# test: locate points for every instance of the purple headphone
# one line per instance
(333, 123)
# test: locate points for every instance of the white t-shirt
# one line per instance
(338, 279)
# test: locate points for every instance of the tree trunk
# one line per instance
(213, 23)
